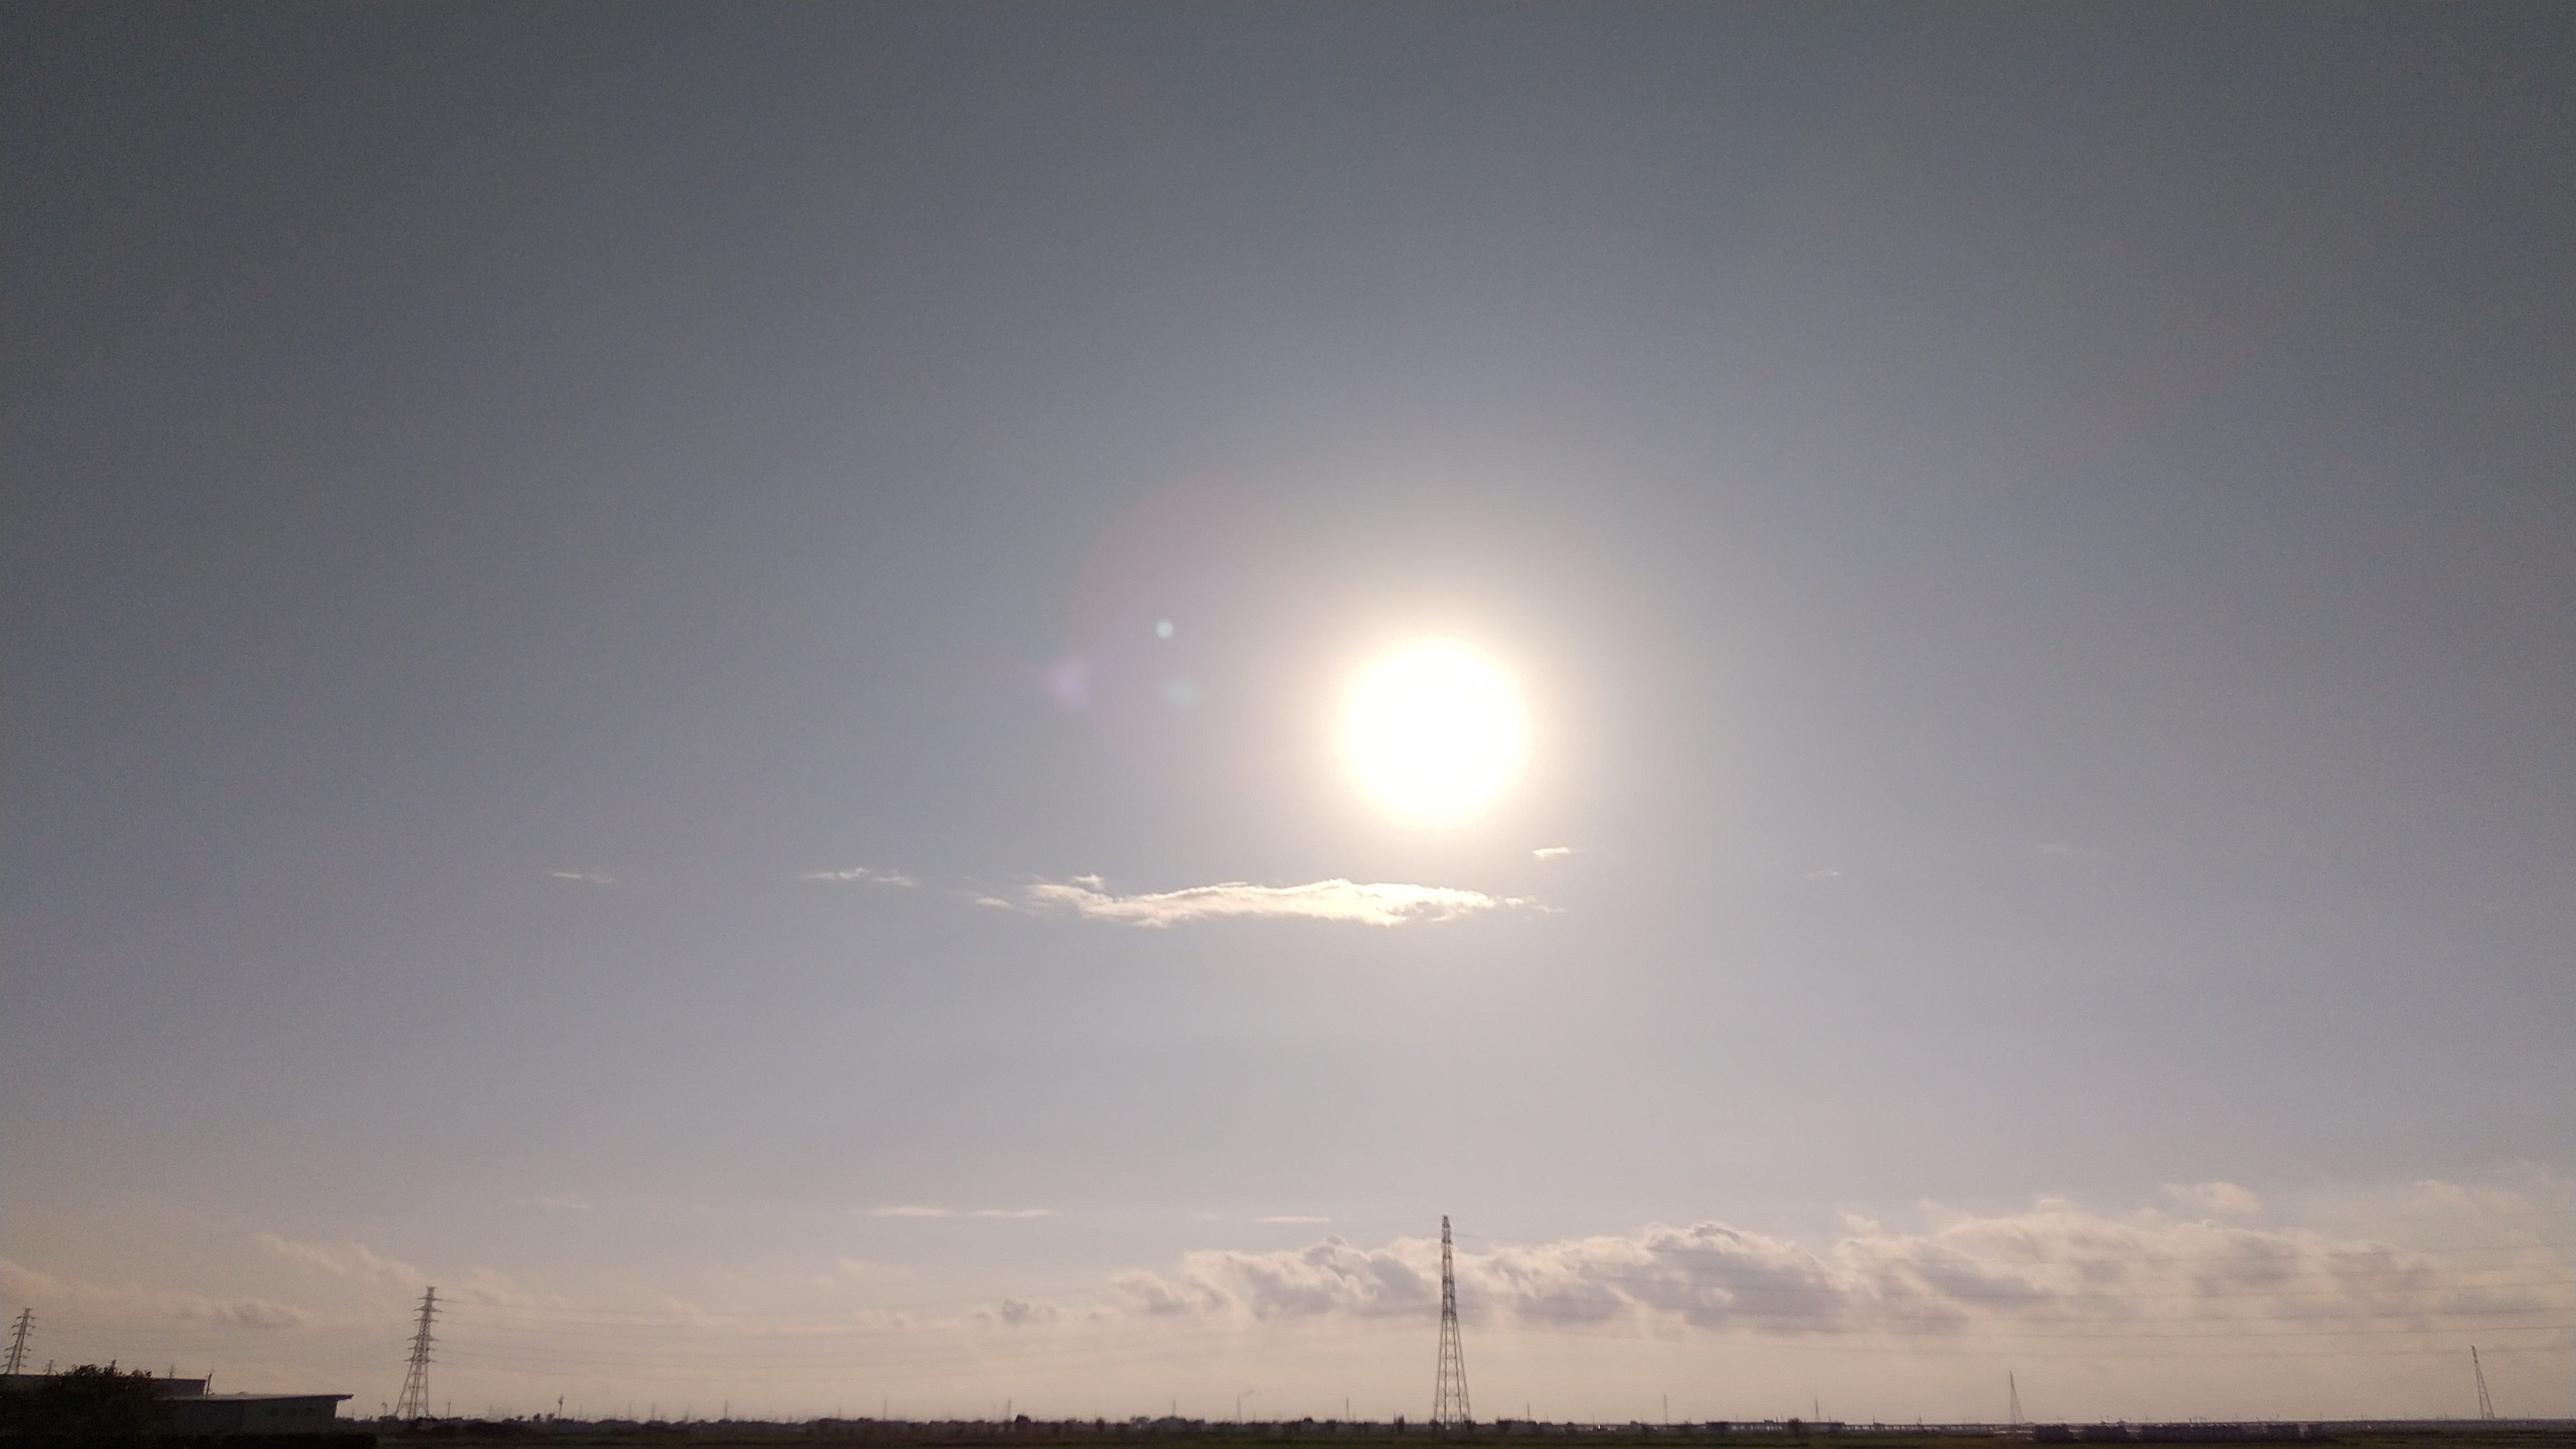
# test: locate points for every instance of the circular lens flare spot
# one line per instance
(1433, 731)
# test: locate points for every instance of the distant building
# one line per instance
(254, 1413)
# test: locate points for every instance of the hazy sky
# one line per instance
(586, 719)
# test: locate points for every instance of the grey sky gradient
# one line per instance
(558, 561)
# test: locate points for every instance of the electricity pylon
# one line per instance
(414, 1402)
(2012, 1386)
(1449, 1397)
(18, 1339)
(2486, 1406)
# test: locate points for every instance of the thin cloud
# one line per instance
(355, 1262)
(1375, 904)
(2521, 1192)
(1553, 852)
(1303, 1218)
(926, 1210)
(2225, 1199)
(360, 1264)
(1021, 1313)
(1038, 1313)
(588, 877)
(867, 873)
(238, 1312)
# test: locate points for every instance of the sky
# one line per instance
(677, 669)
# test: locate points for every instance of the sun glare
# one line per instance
(1433, 731)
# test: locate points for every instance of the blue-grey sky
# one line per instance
(587, 720)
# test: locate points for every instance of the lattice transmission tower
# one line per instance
(2486, 1406)
(414, 1403)
(1449, 1397)
(2012, 1388)
(18, 1339)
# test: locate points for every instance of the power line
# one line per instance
(2397, 1320)
(934, 1350)
(2388, 1302)
(2346, 1279)
(521, 1356)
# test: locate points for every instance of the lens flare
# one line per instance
(1433, 732)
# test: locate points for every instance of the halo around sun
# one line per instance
(1433, 731)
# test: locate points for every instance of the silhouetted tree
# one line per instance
(88, 1401)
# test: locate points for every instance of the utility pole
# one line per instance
(18, 1339)
(2013, 1387)
(1449, 1394)
(2486, 1406)
(414, 1402)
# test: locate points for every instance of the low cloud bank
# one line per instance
(2057, 1270)
(29, 1286)
(1378, 903)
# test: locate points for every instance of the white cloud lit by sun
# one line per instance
(1379, 903)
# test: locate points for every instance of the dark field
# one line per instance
(2430, 1434)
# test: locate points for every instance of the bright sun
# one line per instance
(1433, 731)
